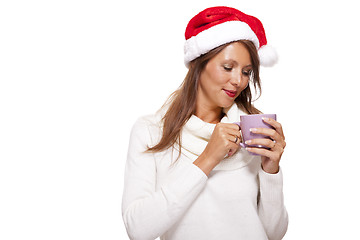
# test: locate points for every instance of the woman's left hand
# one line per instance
(270, 158)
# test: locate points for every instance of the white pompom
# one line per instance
(268, 56)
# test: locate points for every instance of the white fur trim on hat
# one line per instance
(268, 56)
(216, 36)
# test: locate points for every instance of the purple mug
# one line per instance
(253, 121)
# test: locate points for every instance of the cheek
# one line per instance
(244, 84)
(214, 78)
(221, 77)
(216, 74)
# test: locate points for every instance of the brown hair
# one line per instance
(182, 102)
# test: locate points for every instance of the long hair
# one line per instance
(182, 102)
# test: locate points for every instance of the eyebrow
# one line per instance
(248, 67)
(232, 61)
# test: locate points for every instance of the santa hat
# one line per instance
(216, 26)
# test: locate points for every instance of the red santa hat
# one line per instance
(216, 26)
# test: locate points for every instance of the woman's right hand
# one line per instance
(223, 142)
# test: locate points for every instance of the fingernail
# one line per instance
(265, 119)
(253, 130)
(248, 142)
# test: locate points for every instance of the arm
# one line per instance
(148, 213)
(271, 207)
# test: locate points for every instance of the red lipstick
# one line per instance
(230, 93)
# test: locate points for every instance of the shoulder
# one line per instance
(151, 121)
(147, 128)
(148, 122)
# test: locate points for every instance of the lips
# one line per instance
(230, 93)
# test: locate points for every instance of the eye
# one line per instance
(228, 68)
(247, 73)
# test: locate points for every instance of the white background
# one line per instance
(75, 75)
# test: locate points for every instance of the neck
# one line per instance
(209, 115)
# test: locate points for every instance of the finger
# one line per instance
(273, 134)
(234, 133)
(261, 151)
(271, 154)
(230, 126)
(265, 142)
(233, 149)
(234, 139)
(275, 124)
(238, 125)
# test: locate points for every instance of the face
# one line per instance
(224, 77)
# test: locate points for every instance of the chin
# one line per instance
(227, 104)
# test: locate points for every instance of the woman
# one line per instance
(186, 175)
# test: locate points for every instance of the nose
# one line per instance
(236, 78)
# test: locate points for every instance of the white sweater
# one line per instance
(175, 200)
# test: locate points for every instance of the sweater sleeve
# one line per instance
(272, 211)
(148, 213)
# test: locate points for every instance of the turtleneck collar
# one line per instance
(196, 134)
